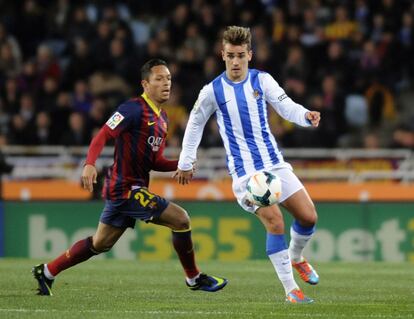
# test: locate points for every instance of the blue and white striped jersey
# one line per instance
(241, 110)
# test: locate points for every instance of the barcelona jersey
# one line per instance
(139, 129)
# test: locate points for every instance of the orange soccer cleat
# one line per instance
(306, 272)
(296, 296)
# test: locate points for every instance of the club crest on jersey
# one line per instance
(256, 94)
(155, 142)
(114, 120)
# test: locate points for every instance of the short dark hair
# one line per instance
(236, 35)
(146, 68)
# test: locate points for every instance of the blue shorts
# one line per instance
(141, 204)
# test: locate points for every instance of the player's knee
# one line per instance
(274, 225)
(182, 222)
(311, 218)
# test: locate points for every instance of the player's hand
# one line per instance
(314, 117)
(89, 175)
(183, 177)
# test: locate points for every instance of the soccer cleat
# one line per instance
(306, 272)
(45, 284)
(208, 283)
(297, 296)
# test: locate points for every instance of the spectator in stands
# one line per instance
(27, 108)
(29, 80)
(60, 114)
(331, 105)
(81, 63)
(122, 63)
(10, 40)
(31, 27)
(47, 96)
(79, 26)
(177, 25)
(43, 133)
(295, 66)
(278, 25)
(101, 43)
(11, 96)
(405, 38)
(10, 65)
(20, 132)
(46, 64)
(177, 114)
(342, 27)
(82, 98)
(336, 64)
(98, 114)
(195, 41)
(381, 105)
(77, 134)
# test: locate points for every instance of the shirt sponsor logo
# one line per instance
(155, 142)
(114, 120)
(282, 97)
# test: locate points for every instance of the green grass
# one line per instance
(133, 289)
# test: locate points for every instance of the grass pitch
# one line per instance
(134, 289)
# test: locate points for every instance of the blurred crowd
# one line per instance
(66, 65)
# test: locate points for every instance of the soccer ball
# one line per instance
(264, 189)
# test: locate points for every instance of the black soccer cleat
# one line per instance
(208, 283)
(45, 284)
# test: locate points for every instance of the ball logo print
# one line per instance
(264, 189)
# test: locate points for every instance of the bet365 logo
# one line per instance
(155, 142)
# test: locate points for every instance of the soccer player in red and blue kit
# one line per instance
(139, 128)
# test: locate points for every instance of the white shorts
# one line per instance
(290, 185)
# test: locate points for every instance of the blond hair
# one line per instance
(237, 36)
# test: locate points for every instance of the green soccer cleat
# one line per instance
(208, 283)
(45, 284)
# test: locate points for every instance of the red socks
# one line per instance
(83, 250)
(183, 245)
(79, 252)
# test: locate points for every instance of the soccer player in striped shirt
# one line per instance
(239, 97)
(139, 128)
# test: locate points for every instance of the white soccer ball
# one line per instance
(264, 189)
